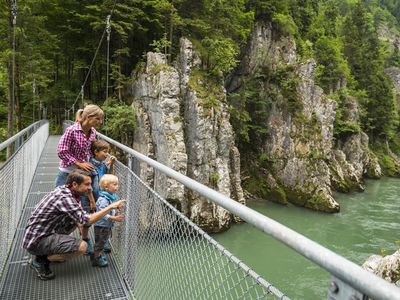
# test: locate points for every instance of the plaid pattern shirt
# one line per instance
(74, 146)
(59, 207)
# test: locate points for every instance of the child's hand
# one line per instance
(118, 204)
(111, 159)
(118, 218)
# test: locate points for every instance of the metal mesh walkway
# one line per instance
(75, 279)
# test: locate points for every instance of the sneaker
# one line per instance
(99, 261)
(107, 246)
(42, 269)
(89, 247)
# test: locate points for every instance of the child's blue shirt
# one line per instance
(105, 199)
(99, 170)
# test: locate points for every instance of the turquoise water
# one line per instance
(369, 223)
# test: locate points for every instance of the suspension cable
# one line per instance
(108, 29)
(10, 125)
(81, 93)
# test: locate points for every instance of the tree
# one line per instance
(363, 51)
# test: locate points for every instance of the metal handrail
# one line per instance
(337, 265)
(33, 127)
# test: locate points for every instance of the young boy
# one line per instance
(102, 228)
(102, 164)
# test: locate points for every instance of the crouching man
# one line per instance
(54, 218)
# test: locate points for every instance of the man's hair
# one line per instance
(77, 176)
(106, 179)
(99, 145)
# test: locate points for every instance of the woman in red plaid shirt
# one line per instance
(74, 151)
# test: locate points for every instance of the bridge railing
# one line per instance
(162, 247)
(16, 174)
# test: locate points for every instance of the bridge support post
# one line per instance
(339, 290)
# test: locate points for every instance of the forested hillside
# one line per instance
(353, 43)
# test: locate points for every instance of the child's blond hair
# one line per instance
(106, 179)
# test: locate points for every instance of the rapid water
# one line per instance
(368, 223)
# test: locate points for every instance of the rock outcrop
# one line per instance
(183, 122)
(299, 141)
(387, 267)
(305, 165)
(352, 159)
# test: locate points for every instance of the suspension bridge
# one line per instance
(158, 253)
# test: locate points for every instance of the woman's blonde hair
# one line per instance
(78, 114)
(90, 110)
(106, 179)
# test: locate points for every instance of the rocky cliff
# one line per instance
(183, 122)
(304, 163)
(387, 267)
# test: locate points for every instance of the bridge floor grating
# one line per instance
(75, 279)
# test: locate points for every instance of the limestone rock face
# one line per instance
(182, 127)
(294, 144)
(305, 163)
(387, 267)
(212, 156)
(352, 159)
(298, 142)
(160, 130)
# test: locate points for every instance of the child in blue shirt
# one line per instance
(102, 228)
(101, 162)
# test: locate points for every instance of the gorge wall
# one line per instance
(183, 122)
(305, 164)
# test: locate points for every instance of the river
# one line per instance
(368, 223)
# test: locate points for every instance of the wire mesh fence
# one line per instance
(163, 255)
(16, 175)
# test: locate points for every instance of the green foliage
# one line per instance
(208, 90)
(221, 27)
(161, 45)
(286, 79)
(285, 24)
(268, 9)
(221, 55)
(344, 125)
(249, 109)
(389, 165)
(251, 104)
(120, 121)
(332, 66)
(362, 50)
(214, 177)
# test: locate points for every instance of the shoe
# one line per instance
(89, 247)
(42, 269)
(99, 261)
(107, 246)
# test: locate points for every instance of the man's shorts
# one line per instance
(55, 244)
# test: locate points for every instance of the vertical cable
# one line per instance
(10, 121)
(82, 94)
(33, 99)
(108, 30)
